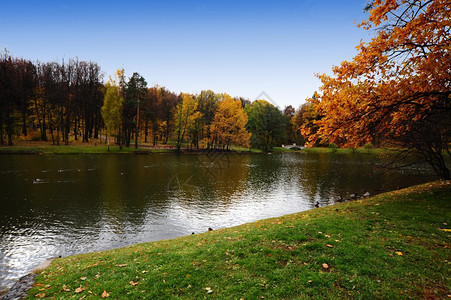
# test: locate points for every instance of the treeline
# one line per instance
(55, 99)
(68, 100)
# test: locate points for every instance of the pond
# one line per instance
(68, 204)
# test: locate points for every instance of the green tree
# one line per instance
(207, 105)
(266, 123)
(135, 91)
(112, 109)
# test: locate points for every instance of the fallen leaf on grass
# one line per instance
(330, 246)
(65, 288)
(41, 295)
(134, 283)
(105, 294)
(83, 278)
(399, 253)
(80, 289)
(209, 290)
(446, 230)
(325, 266)
(121, 266)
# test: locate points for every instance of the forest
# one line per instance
(395, 93)
(69, 100)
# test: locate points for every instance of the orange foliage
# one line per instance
(398, 87)
(229, 123)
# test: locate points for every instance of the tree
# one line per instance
(185, 117)
(397, 88)
(207, 105)
(266, 123)
(310, 115)
(9, 94)
(167, 103)
(289, 113)
(136, 89)
(112, 109)
(229, 124)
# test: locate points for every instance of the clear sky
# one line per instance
(239, 47)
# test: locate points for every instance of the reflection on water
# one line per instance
(63, 205)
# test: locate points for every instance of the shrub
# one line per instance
(368, 147)
(333, 147)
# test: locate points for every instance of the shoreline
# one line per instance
(90, 148)
(24, 283)
(411, 192)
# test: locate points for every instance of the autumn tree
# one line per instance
(309, 117)
(229, 124)
(185, 118)
(112, 109)
(266, 123)
(296, 123)
(398, 85)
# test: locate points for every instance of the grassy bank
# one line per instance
(97, 148)
(395, 245)
(376, 151)
(94, 147)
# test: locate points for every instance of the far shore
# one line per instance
(96, 146)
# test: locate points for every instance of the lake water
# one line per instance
(68, 204)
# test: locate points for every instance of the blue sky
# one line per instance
(242, 48)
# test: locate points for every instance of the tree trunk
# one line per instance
(137, 125)
(9, 131)
(145, 131)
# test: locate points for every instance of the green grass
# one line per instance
(392, 246)
(91, 149)
(39, 148)
(375, 151)
(88, 149)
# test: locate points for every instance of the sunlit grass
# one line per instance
(395, 245)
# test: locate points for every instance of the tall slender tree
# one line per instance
(112, 109)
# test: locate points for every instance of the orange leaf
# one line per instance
(133, 283)
(325, 266)
(80, 289)
(105, 294)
